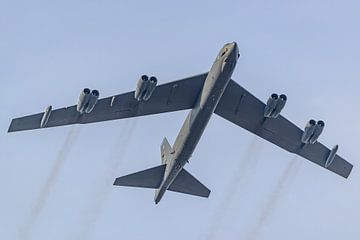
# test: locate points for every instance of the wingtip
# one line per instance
(114, 183)
(10, 129)
(349, 171)
(208, 194)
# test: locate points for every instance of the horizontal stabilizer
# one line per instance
(149, 178)
(186, 183)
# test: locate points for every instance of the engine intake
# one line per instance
(83, 100)
(270, 105)
(87, 100)
(145, 88)
(92, 101)
(280, 104)
(141, 87)
(275, 105)
(151, 87)
(317, 132)
(312, 131)
(308, 131)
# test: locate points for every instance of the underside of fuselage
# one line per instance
(197, 120)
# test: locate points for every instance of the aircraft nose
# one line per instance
(235, 49)
(232, 45)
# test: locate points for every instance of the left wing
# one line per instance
(243, 109)
(173, 96)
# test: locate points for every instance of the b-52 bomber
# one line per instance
(205, 94)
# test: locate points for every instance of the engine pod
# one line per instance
(92, 101)
(308, 131)
(270, 105)
(150, 89)
(141, 87)
(317, 131)
(280, 104)
(83, 100)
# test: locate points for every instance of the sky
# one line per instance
(57, 183)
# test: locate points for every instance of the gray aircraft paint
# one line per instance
(196, 121)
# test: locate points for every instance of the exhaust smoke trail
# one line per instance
(102, 190)
(247, 161)
(280, 188)
(50, 182)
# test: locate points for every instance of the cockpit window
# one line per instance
(225, 51)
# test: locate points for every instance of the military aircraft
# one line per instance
(205, 94)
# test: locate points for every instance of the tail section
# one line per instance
(166, 151)
(149, 178)
(186, 183)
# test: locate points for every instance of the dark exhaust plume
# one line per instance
(247, 161)
(281, 186)
(50, 182)
(105, 186)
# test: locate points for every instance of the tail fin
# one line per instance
(149, 178)
(186, 183)
(166, 151)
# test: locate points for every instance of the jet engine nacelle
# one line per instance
(145, 87)
(317, 132)
(92, 101)
(280, 104)
(308, 131)
(87, 100)
(141, 87)
(274, 105)
(83, 100)
(270, 105)
(151, 87)
(312, 131)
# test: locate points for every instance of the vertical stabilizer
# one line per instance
(166, 151)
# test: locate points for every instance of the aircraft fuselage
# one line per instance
(198, 118)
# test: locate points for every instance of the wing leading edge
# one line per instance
(173, 96)
(245, 110)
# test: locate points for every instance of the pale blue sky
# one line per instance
(49, 51)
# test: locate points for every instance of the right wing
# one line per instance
(169, 97)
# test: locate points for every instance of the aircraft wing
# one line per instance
(243, 109)
(169, 97)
